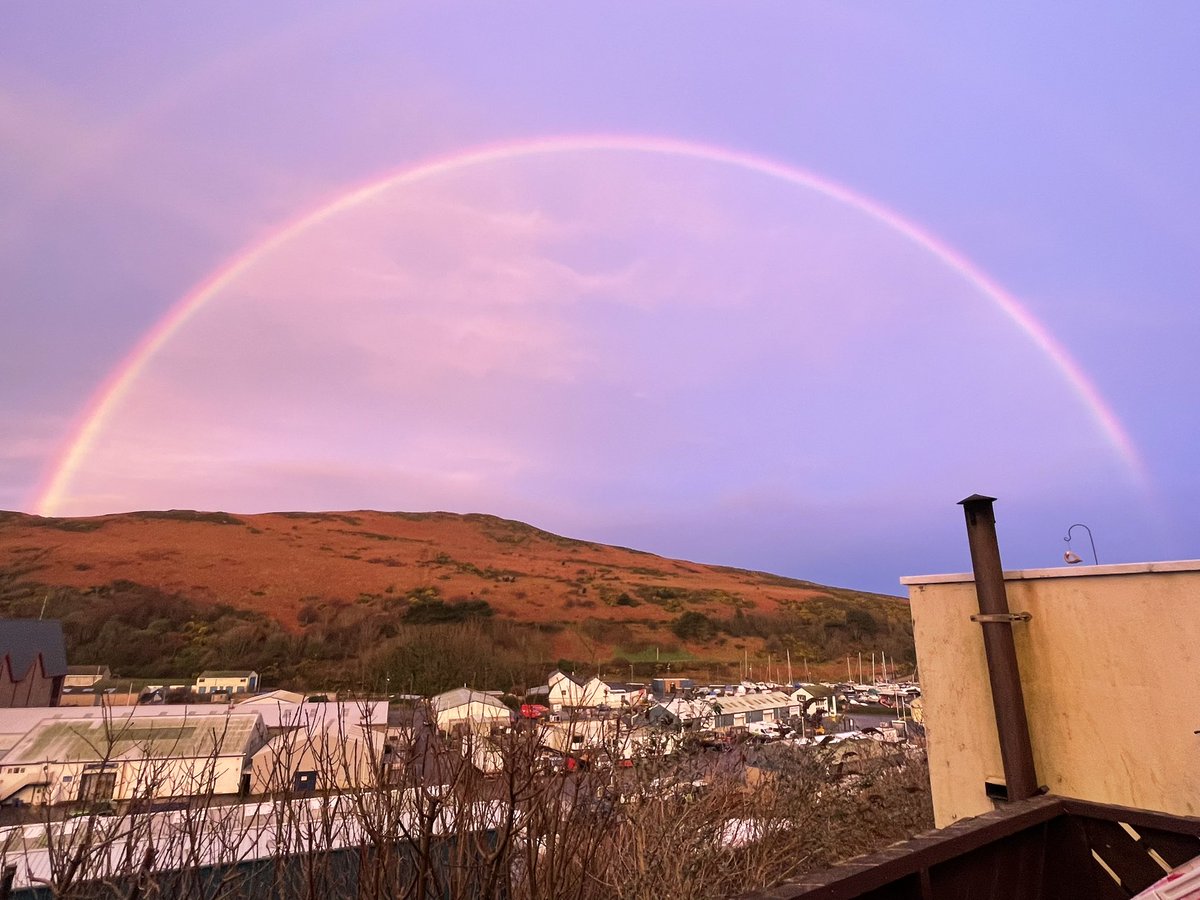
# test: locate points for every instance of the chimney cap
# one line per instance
(977, 498)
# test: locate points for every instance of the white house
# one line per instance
(473, 710)
(825, 699)
(618, 693)
(226, 682)
(567, 692)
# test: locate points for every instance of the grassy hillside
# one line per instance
(420, 601)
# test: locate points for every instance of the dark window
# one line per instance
(95, 786)
(306, 781)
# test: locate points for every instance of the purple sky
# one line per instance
(671, 352)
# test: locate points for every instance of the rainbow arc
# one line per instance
(119, 382)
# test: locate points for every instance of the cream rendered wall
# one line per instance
(475, 714)
(341, 758)
(1110, 669)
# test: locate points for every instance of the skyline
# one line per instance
(728, 337)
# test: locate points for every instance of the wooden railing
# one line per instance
(1045, 848)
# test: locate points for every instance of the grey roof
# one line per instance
(64, 740)
(23, 640)
(227, 673)
(624, 686)
(752, 702)
(463, 696)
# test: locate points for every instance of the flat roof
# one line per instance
(1065, 571)
(69, 740)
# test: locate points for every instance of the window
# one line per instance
(95, 786)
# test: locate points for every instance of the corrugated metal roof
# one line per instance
(66, 740)
(751, 702)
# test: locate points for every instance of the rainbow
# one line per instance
(118, 383)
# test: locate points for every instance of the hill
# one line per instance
(418, 600)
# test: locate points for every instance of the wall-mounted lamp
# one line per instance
(1071, 557)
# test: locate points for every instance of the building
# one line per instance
(568, 692)
(820, 697)
(684, 715)
(85, 676)
(1061, 752)
(226, 682)
(105, 693)
(603, 740)
(1107, 662)
(97, 755)
(288, 698)
(743, 709)
(470, 710)
(664, 687)
(35, 662)
(321, 747)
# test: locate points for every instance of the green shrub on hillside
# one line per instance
(694, 626)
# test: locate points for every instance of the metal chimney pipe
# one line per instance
(1016, 750)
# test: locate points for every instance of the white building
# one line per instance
(280, 696)
(742, 710)
(567, 692)
(90, 754)
(321, 747)
(684, 714)
(473, 710)
(85, 676)
(226, 682)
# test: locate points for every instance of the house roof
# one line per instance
(571, 678)
(685, 709)
(227, 673)
(818, 691)
(277, 696)
(750, 702)
(22, 641)
(461, 697)
(624, 687)
(62, 740)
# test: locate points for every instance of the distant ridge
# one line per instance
(295, 576)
